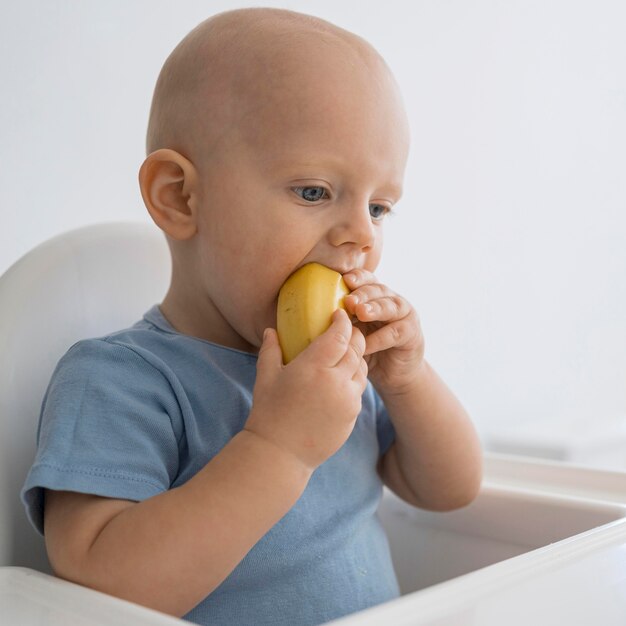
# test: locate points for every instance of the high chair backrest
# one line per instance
(83, 283)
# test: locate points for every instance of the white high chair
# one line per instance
(83, 283)
(547, 540)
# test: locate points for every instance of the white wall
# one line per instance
(511, 238)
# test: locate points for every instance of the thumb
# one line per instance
(270, 354)
(331, 345)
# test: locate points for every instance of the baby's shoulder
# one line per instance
(152, 350)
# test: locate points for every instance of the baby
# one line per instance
(181, 465)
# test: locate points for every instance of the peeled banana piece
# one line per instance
(306, 303)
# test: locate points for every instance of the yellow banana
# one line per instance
(306, 303)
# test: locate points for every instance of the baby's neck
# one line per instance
(201, 320)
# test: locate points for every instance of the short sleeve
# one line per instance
(384, 427)
(109, 426)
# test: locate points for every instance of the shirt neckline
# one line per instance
(155, 317)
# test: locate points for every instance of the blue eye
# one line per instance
(378, 211)
(311, 194)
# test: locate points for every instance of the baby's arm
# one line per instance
(172, 550)
(436, 460)
(169, 552)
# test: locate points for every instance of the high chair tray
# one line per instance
(577, 582)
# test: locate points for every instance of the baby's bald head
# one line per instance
(251, 109)
(236, 72)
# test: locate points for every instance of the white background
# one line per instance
(511, 238)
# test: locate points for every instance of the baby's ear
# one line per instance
(168, 182)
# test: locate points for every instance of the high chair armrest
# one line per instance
(29, 597)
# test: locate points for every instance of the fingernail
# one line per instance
(350, 277)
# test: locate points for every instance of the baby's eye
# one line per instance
(311, 194)
(378, 211)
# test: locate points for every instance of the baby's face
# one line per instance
(311, 177)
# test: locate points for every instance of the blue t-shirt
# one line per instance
(141, 411)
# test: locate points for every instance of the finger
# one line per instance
(355, 301)
(358, 277)
(330, 347)
(360, 376)
(270, 356)
(365, 294)
(389, 336)
(354, 354)
(386, 309)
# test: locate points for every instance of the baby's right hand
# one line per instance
(309, 407)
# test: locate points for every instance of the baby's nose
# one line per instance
(354, 226)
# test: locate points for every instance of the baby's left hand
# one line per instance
(394, 343)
